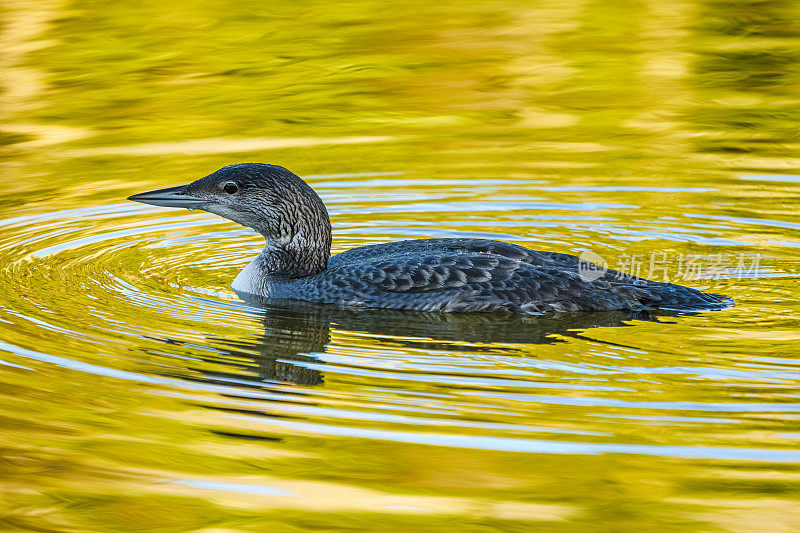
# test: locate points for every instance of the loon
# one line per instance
(434, 275)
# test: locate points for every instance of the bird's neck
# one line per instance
(278, 261)
(298, 239)
(296, 257)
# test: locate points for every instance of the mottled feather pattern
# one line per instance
(468, 275)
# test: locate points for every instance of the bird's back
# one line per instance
(469, 275)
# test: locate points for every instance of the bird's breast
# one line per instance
(251, 279)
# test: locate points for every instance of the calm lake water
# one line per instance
(138, 393)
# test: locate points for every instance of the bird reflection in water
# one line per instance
(294, 332)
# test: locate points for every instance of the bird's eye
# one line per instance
(230, 187)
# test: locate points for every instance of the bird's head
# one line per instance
(268, 198)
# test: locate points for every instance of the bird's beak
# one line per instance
(170, 197)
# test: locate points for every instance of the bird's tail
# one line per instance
(670, 297)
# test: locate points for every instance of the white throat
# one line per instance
(252, 279)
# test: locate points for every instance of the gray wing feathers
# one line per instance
(472, 282)
(483, 275)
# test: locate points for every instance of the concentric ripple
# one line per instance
(140, 295)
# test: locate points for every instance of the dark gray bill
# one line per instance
(170, 197)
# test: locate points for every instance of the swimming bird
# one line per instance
(438, 275)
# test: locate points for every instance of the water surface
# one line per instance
(140, 394)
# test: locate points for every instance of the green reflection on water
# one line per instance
(621, 127)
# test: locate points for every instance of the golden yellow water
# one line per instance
(139, 394)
